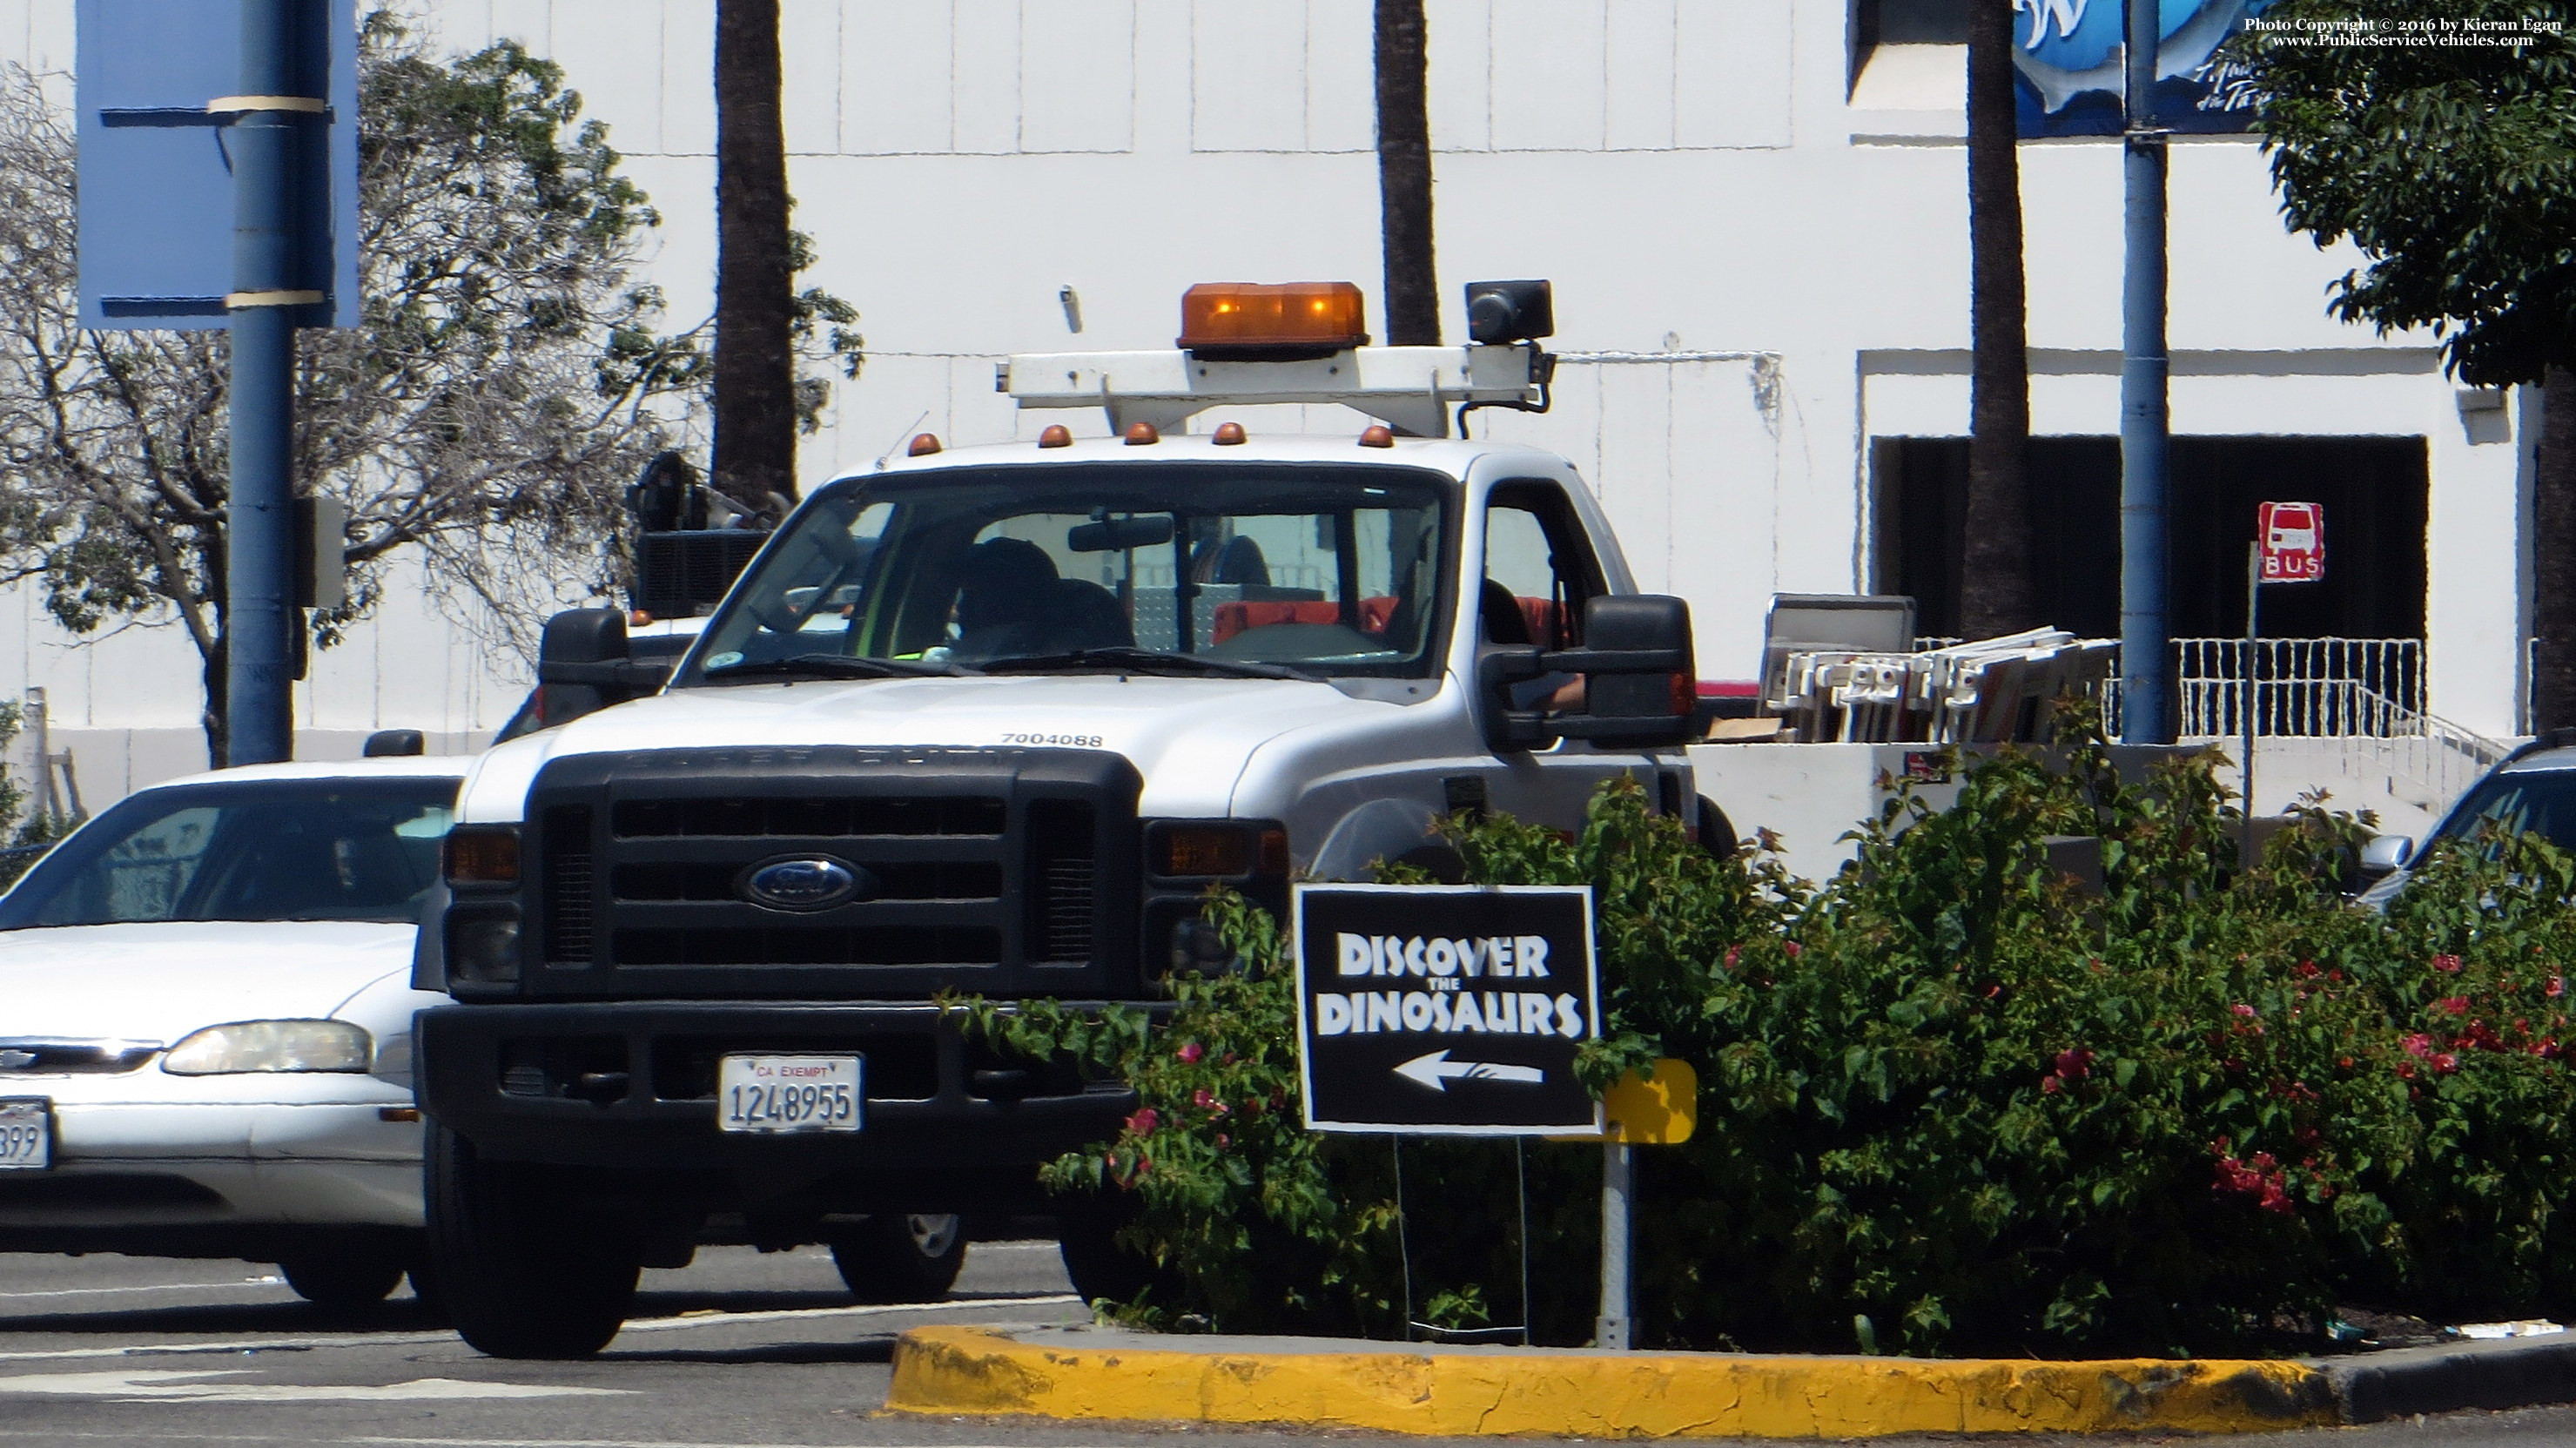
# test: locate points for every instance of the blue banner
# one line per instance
(2068, 56)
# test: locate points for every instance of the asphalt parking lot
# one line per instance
(740, 1350)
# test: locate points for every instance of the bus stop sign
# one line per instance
(2292, 537)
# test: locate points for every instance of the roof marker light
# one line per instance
(1142, 434)
(1056, 435)
(923, 445)
(1229, 434)
(1377, 434)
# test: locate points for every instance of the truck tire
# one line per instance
(1716, 832)
(901, 1257)
(344, 1277)
(520, 1272)
(1103, 1268)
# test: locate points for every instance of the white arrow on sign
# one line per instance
(1436, 1071)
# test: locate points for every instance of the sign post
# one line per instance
(2289, 547)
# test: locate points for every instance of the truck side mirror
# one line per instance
(583, 665)
(2385, 854)
(1640, 683)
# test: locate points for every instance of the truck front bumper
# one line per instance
(629, 1087)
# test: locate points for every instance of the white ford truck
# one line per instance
(993, 720)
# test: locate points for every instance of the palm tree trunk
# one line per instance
(2553, 556)
(1998, 592)
(755, 366)
(1404, 175)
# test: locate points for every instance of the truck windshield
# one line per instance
(319, 849)
(1319, 569)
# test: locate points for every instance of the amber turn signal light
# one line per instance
(1229, 434)
(1220, 851)
(481, 855)
(1142, 434)
(1257, 316)
(1377, 434)
(1056, 435)
(923, 445)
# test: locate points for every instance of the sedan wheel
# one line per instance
(895, 1257)
(522, 1271)
(343, 1278)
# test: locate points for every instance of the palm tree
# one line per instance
(1404, 175)
(1998, 591)
(2553, 556)
(755, 365)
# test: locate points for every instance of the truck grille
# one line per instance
(570, 883)
(975, 871)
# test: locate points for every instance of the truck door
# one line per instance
(1539, 571)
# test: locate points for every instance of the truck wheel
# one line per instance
(522, 1273)
(1716, 832)
(343, 1277)
(899, 1257)
(1100, 1266)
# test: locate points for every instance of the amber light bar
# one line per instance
(1229, 316)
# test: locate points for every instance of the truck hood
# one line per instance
(1189, 738)
(159, 981)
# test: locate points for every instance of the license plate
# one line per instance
(769, 1095)
(26, 1135)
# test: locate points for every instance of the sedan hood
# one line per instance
(158, 982)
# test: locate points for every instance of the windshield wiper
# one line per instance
(838, 666)
(1145, 661)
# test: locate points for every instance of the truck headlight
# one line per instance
(483, 943)
(271, 1046)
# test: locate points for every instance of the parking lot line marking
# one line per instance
(414, 1339)
(161, 1287)
(670, 1324)
(313, 1441)
(194, 1387)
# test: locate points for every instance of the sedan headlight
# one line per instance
(271, 1046)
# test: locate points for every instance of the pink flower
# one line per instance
(2445, 1062)
(2557, 986)
(1190, 1052)
(2075, 1063)
(1206, 1101)
(1792, 947)
(2241, 1009)
(1733, 954)
(2455, 1005)
(2050, 1085)
(2447, 964)
(2418, 1045)
(1144, 1122)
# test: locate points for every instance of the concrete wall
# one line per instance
(1754, 275)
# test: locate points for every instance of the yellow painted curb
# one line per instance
(1606, 1395)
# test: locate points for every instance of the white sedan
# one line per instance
(205, 1024)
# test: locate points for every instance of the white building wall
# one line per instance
(1753, 274)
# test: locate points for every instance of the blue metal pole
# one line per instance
(259, 586)
(2146, 635)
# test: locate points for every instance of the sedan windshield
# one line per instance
(1294, 570)
(2542, 802)
(320, 849)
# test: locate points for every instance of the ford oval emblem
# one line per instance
(805, 882)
